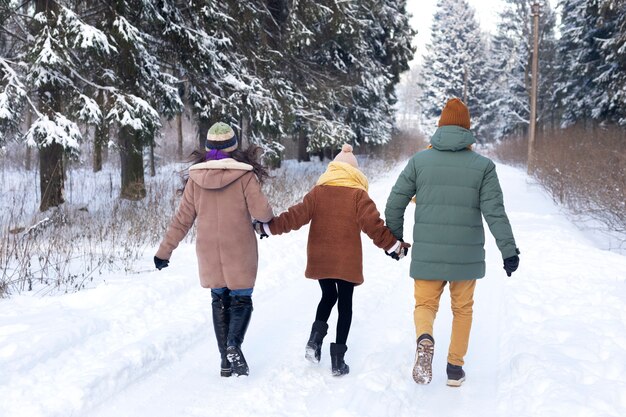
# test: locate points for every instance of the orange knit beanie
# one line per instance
(455, 113)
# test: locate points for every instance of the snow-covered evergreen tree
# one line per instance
(384, 55)
(510, 60)
(345, 58)
(579, 57)
(453, 63)
(46, 69)
(609, 97)
(549, 69)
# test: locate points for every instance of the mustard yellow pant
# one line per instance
(427, 295)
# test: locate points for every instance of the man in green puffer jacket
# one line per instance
(453, 186)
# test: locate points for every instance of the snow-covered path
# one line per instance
(551, 340)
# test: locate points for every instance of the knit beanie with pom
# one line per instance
(347, 156)
(456, 113)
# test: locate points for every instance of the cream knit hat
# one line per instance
(347, 156)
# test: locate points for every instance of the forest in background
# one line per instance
(109, 72)
(582, 66)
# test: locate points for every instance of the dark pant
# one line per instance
(340, 292)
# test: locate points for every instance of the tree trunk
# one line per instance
(51, 170)
(203, 129)
(131, 156)
(29, 149)
(152, 167)
(244, 140)
(97, 150)
(303, 142)
(29, 152)
(100, 138)
(51, 176)
(179, 128)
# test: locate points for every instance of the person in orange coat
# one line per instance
(338, 208)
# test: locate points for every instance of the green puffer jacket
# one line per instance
(452, 186)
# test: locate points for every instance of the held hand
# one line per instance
(399, 253)
(511, 264)
(259, 229)
(160, 263)
(403, 250)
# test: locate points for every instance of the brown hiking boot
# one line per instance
(423, 367)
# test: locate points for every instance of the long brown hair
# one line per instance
(250, 156)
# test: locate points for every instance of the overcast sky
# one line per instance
(422, 10)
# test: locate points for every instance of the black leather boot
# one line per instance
(221, 319)
(313, 350)
(240, 313)
(337, 352)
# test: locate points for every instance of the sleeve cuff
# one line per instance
(395, 247)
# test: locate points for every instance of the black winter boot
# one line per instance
(313, 350)
(221, 316)
(240, 313)
(339, 367)
(456, 375)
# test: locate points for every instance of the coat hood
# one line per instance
(218, 174)
(452, 138)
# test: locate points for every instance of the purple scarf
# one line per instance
(216, 155)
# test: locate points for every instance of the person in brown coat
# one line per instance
(223, 194)
(338, 208)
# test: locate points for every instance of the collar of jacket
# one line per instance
(340, 174)
(452, 138)
(226, 163)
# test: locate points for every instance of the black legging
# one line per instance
(333, 290)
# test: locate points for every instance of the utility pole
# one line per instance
(532, 130)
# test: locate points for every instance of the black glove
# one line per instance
(511, 264)
(259, 229)
(160, 263)
(404, 249)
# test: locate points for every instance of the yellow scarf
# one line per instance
(340, 174)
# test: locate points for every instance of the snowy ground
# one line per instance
(549, 341)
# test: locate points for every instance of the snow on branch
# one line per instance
(128, 32)
(13, 91)
(86, 36)
(134, 112)
(59, 129)
(89, 110)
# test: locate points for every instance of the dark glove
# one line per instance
(401, 252)
(511, 264)
(259, 229)
(160, 263)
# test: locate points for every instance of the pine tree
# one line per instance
(387, 50)
(140, 90)
(579, 57)
(12, 89)
(50, 60)
(453, 63)
(342, 59)
(510, 59)
(609, 98)
(549, 69)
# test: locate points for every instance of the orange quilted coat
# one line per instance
(337, 216)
